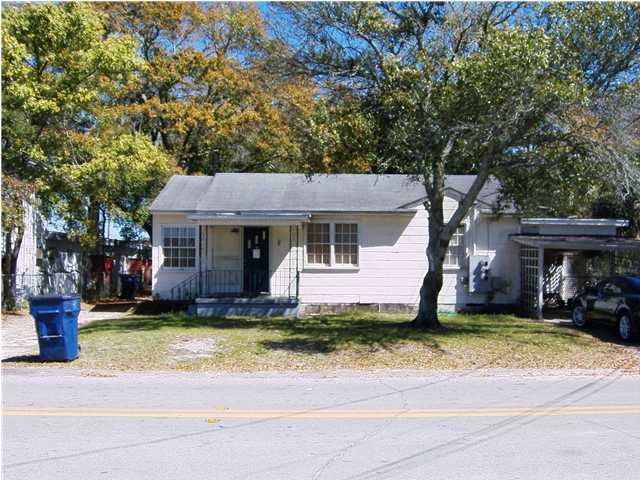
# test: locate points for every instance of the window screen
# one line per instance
(179, 246)
(318, 244)
(346, 243)
(455, 251)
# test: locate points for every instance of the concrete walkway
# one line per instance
(19, 333)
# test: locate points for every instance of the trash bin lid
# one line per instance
(53, 298)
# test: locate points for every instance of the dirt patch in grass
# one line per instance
(354, 340)
(187, 348)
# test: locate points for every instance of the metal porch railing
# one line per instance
(282, 283)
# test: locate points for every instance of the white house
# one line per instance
(236, 243)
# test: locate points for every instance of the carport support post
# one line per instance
(540, 283)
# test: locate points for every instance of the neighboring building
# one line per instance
(27, 277)
(33, 243)
(65, 258)
(324, 241)
(51, 263)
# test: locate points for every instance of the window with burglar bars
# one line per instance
(179, 246)
(318, 244)
(346, 243)
(455, 250)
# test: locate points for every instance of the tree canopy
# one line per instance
(214, 91)
(505, 89)
(60, 78)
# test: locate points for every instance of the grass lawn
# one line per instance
(355, 340)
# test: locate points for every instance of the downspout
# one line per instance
(199, 282)
(297, 255)
(290, 263)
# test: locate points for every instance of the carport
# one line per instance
(553, 250)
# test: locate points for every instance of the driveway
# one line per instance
(19, 333)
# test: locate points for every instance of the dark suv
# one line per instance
(615, 300)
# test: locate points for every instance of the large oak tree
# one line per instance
(213, 89)
(498, 89)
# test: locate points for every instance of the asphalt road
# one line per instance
(63, 423)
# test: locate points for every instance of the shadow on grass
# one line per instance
(328, 333)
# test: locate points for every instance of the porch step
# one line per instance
(254, 307)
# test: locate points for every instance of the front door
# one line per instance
(256, 260)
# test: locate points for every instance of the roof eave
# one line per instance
(587, 222)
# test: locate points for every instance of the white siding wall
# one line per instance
(164, 279)
(225, 247)
(393, 261)
(32, 242)
(489, 235)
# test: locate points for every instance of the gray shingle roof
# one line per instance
(284, 192)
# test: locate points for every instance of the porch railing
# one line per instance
(238, 283)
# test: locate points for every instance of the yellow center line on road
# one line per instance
(324, 413)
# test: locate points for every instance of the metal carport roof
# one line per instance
(578, 242)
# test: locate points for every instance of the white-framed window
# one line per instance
(318, 244)
(178, 246)
(332, 244)
(455, 251)
(346, 243)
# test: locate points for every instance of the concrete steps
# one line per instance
(254, 307)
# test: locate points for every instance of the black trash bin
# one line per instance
(56, 319)
(128, 286)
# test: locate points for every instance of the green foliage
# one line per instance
(513, 90)
(503, 89)
(117, 177)
(15, 195)
(61, 73)
(56, 68)
(602, 38)
(335, 136)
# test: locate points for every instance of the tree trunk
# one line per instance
(440, 232)
(10, 254)
(427, 316)
(96, 246)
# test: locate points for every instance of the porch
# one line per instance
(244, 264)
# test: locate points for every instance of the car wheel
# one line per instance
(578, 316)
(625, 327)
